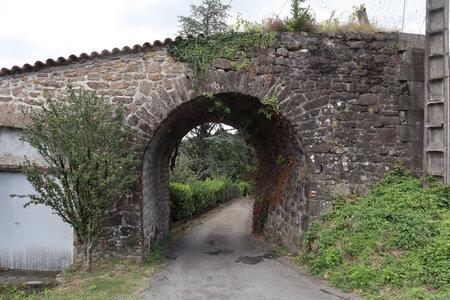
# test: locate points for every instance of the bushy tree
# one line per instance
(196, 147)
(207, 18)
(89, 162)
(180, 171)
(231, 156)
(211, 150)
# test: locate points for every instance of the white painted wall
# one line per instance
(13, 150)
(32, 237)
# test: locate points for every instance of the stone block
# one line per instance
(387, 135)
(282, 52)
(5, 91)
(120, 85)
(411, 102)
(316, 103)
(308, 125)
(5, 99)
(415, 148)
(414, 117)
(222, 63)
(408, 41)
(368, 99)
(112, 77)
(416, 88)
(409, 133)
(406, 73)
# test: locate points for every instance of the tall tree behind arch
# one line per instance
(207, 18)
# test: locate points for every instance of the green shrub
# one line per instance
(244, 189)
(181, 201)
(301, 19)
(207, 193)
(196, 196)
(397, 238)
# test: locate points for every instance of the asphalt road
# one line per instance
(218, 259)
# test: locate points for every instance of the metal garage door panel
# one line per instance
(32, 237)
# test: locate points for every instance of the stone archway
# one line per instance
(354, 101)
(265, 135)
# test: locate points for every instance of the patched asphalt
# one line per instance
(218, 259)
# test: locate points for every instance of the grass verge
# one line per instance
(108, 279)
(392, 244)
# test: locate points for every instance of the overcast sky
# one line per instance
(32, 30)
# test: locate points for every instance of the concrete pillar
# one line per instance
(437, 111)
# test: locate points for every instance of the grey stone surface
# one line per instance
(30, 277)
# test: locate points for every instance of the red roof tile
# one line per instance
(83, 56)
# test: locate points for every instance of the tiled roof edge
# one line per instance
(84, 56)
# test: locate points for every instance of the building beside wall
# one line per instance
(32, 237)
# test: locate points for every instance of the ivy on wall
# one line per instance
(199, 52)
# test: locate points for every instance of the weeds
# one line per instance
(108, 279)
(395, 242)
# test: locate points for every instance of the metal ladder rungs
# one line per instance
(438, 54)
(436, 150)
(439, 78)
(436, 101)
(436, 174)
(437, 31)
(434, 125)
(433, 9)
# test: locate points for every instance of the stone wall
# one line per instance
(352, 108)
(354, 116)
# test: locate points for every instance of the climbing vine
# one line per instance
(270, 105)
(221, 108)
(272, 178)
(200, 51)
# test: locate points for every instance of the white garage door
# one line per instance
(32, 237)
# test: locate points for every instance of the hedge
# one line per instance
(186, 200)
(244, 189)
(181, 201)
(207, 193)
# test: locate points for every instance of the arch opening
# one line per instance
(212, 164)
(278, 157)
(211, 151)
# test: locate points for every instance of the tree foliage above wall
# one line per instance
(206, 18)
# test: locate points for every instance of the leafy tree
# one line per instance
(196, 147)
(230, 156)
(180, 171)
(210, 150)
(207, 18)
(89, 163)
